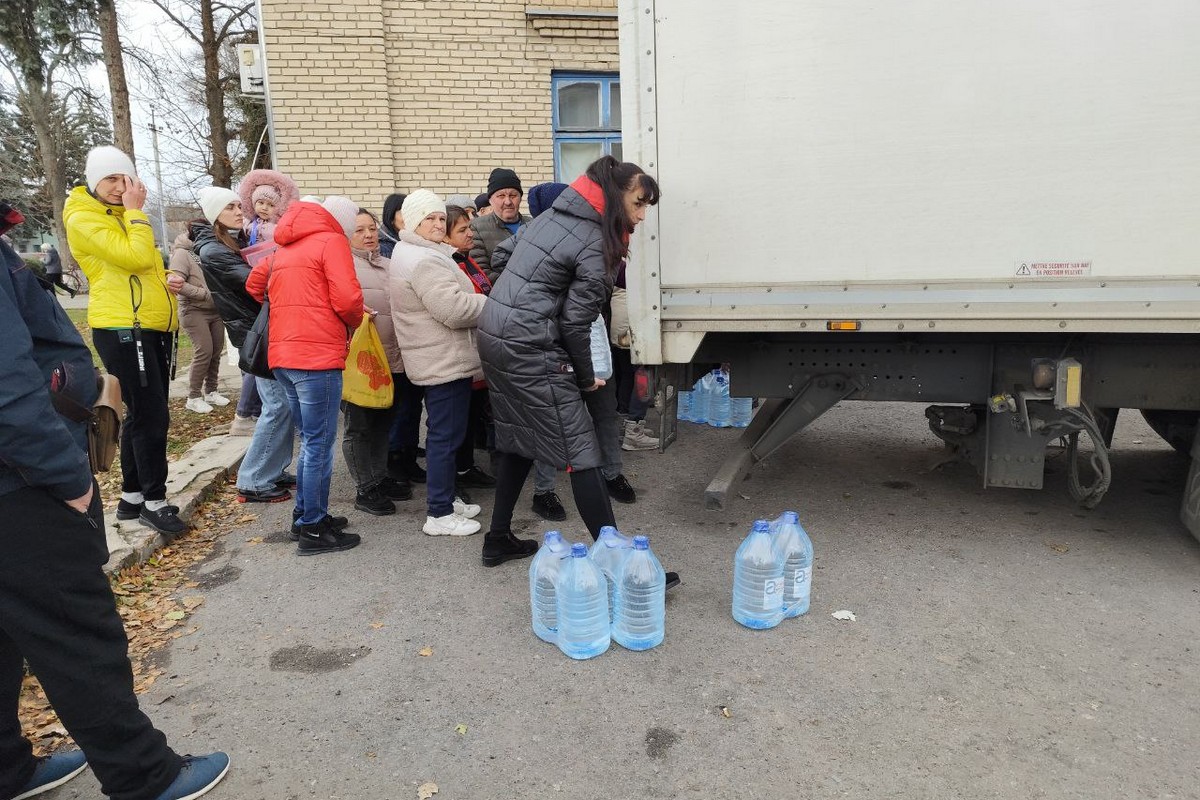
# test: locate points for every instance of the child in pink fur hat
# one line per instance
(265, 194)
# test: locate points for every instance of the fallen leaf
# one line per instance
(1058, 548)
(426, 791)
(376, 625)
(845, 616)
(193, 602)
(425, 651)
(175, 615)
(460, 729)
(725, 712)
(255, 540)
(53, 729)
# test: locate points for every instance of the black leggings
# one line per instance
(587, 486)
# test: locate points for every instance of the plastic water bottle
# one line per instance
(758, 580)
(602, 364)
(607, 554)
(543, 571)
(795, 550)
(582, 606)
(700, 395)
(639, 622)
(741, 409)
(683, 404)
(718, 400)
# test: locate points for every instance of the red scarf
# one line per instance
(592, 192)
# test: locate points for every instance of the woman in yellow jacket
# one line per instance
(133, 315)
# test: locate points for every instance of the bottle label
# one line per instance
(772, 595)
(801, 584)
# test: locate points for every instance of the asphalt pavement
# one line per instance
(1008, 644)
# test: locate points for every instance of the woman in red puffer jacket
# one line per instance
(316, 303)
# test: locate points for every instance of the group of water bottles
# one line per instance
(709, 402)
(772, 573)
(582, 600)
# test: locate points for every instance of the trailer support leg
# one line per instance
(776, 421)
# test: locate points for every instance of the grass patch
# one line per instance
(78, 316)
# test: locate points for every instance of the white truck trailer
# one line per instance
(990, 207)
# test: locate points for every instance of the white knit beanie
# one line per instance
(419, 205)
(104, 161)
(213, 200)
(345, 211)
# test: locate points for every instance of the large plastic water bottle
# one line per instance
(795, 550)
(582, 606)
(543, 572)
(683, 404)
(758, 580)
(640, 618)
(718, 400)
(741, 410)
(602, 364)
(701, 392)
(607, 553)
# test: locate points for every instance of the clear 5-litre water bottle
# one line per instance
(582, 606)
(683, 404)
(741, 410)
(718, 400)
(639, 621)
(607, 554)
(543, 571)
(795, 550)
(758, 580)
(700, 395)
(601, 350)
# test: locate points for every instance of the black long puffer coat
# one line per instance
(225, 272)
(534, 336)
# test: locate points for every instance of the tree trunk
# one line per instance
(214, 98)
(37, 103)
(114, 64)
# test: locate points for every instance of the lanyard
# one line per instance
(135, 299)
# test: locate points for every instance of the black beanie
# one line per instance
(503, 179)
(481, 201)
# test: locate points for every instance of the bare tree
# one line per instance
(39, 42)
(114, 65)
(212, 25)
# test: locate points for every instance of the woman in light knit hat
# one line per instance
(199, 319)
(435, 308)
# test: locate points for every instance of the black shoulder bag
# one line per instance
(252, 355)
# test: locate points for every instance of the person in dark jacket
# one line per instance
(534, 341)
(54, 268)
(391, 225)
(504, 195)
(57, 611)
(262, 477)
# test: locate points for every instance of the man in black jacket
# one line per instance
(57, 610)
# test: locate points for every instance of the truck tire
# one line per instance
(1177, 428)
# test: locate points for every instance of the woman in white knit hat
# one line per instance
(435, 307)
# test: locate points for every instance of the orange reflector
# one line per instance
(843, 325)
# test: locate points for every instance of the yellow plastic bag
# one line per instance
(367, 379)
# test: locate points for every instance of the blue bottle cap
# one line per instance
(762, 526)
(791, 517)
(641, 543)
(716, 371)
(552, 537)
(579, 550)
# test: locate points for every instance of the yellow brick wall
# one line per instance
(375, 96)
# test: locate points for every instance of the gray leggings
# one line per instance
(207, 333)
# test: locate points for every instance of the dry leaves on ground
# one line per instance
(154, 601)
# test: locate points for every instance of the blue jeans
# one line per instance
(543, 477)
(448, 407)
(249, 402)
(315, 397)
(270, 450)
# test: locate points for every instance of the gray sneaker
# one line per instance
(637, 437)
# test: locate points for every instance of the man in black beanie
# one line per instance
(504, 195)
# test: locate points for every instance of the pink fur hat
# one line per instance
(280, 183)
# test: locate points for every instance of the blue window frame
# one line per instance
(587, 120)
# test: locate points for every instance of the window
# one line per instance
(587, 121)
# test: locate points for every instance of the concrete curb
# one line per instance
(193, 478)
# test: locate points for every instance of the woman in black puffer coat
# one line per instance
(534, 341)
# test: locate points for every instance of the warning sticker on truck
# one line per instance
(1053, 269)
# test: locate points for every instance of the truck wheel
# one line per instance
(1177, 428)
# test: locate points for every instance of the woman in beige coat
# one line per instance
(199, 319)
(435, 308)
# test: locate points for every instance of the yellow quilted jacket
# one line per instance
(115, 248)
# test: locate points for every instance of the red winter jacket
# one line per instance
(316, 302)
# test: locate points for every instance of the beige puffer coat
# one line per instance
(435, 308)
(194, 296)
(372, 270)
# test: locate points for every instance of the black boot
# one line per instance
(402, 464)
(322, 537)
(337, 523)
(396, 489)
(498, 548)
(373, 501)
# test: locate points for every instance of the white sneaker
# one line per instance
(468, 510)
(217, 399)
(638, 438)
(450, 525)
(198, 405)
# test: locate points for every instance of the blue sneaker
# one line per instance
(198, 775)
(53, 771)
